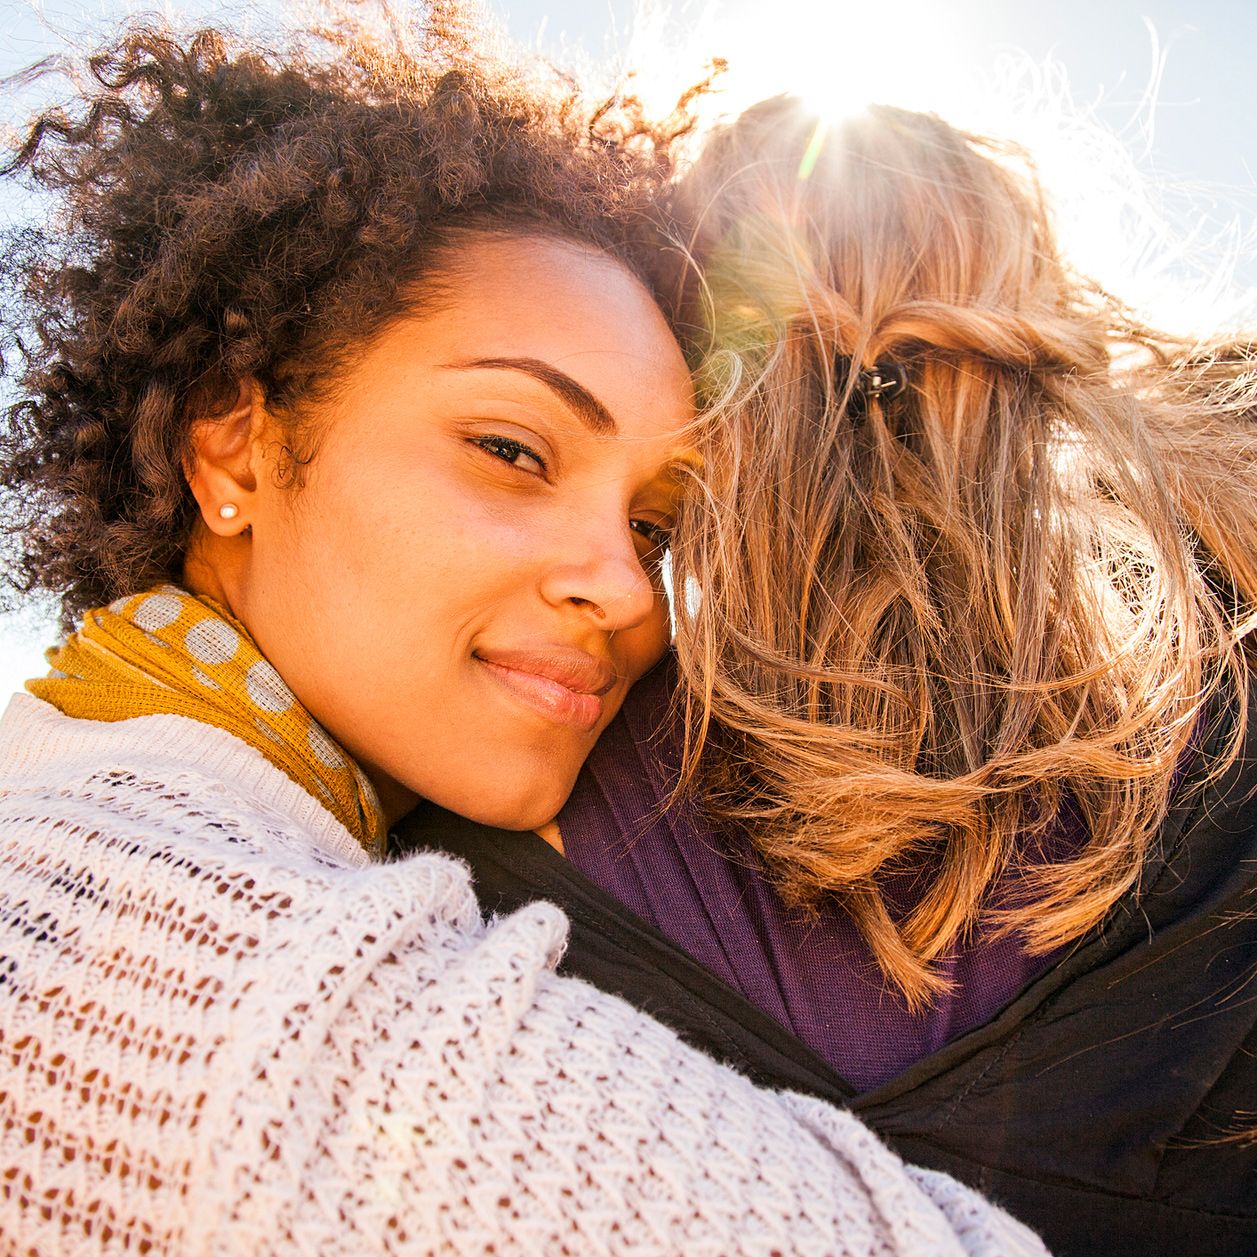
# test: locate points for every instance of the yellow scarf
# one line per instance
(166, 652)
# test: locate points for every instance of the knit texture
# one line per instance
(223, 1031)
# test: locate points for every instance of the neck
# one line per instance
(212, 565)
(550, 832)
(395, 799)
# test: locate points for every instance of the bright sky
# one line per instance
(1171, 81)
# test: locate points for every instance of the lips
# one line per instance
(560, 683)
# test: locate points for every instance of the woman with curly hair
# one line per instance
(962, 663)
(349, 434)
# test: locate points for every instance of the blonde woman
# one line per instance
(970, 843)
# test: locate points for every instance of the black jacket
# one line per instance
(1100, 1106)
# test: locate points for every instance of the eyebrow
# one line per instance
(578, 399)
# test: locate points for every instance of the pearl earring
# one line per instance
(228, 510)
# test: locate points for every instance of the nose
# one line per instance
(597, 569)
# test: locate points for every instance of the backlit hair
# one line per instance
(927, 636)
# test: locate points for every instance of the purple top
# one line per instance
(815, 975)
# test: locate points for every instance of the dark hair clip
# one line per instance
(879, 383)
(882, 381)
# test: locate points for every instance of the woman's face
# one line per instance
(467, 583)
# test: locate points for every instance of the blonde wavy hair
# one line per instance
(920, 636)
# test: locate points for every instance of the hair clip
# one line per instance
(879, 383)
(882, 381)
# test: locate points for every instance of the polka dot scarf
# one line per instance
(168, 653)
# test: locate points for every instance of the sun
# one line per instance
(840, 56)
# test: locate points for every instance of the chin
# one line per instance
(529, 809)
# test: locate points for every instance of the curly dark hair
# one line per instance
(231, 212)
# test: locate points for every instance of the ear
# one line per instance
(223, 462)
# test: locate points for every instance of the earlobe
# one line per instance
(222, 463)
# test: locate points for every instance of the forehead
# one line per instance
(565, 288)
(552, 302)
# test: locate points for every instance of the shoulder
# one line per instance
(206, 970)
(180, 773)
(1206, 851)
(188, 821)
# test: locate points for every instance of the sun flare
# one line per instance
(1113, 219)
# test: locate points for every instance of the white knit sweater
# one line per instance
(222, 1031)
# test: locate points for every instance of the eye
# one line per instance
(654, 539)
(516, 453)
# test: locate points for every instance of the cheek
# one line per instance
(400, 546)
(646, 644)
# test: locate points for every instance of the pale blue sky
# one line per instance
(1195, 146)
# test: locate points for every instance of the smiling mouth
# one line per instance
(565, 687)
